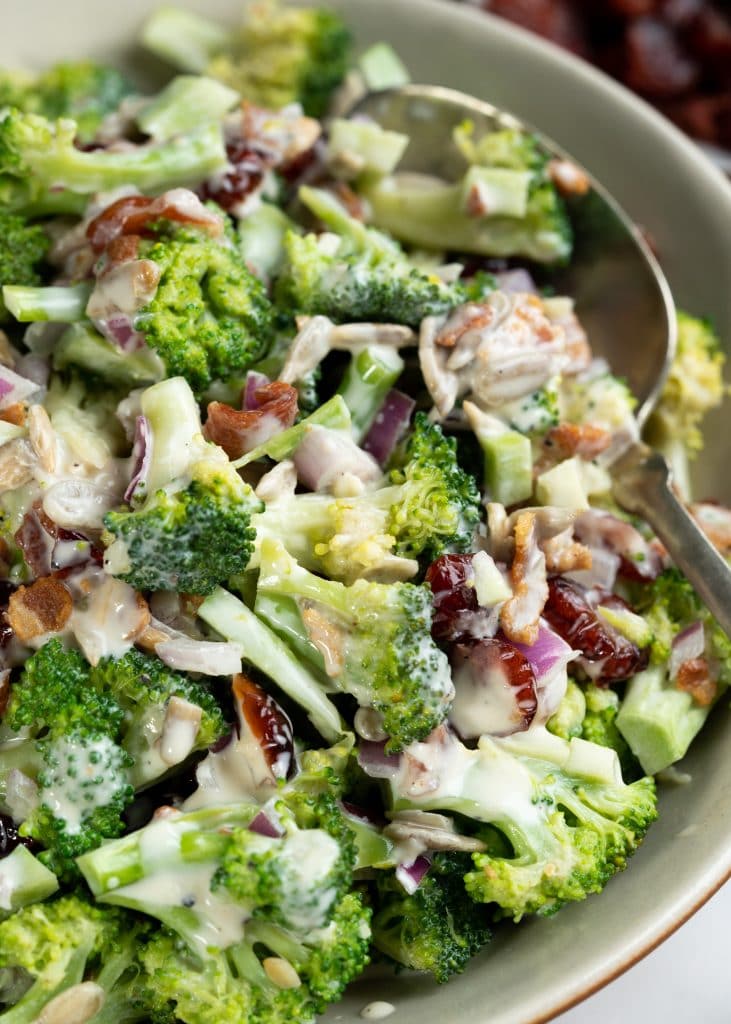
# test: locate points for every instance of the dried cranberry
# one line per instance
(457, 615)
(34, 541)
(655, 62)
(495, 689)
(268, 723)
(608, 656)
(248, 166)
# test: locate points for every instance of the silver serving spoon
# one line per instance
(622, 299)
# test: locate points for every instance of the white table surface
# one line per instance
(687, 980)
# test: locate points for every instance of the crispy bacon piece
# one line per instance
(583, 439)
(132, 214)
(15, 414)
(268, 724)
(520, 614)
(694, 677)
(44, 607)
(467, 318)
(569, 179)
(564, 554)
(238, 431)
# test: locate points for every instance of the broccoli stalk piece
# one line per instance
(73, 951)
(62, 305)
(358, 273)
(506, 204)
(38, 156)
(438, 928)
(189, 526)
(694, 386)
(23, 880)
(560, 819)
(87, 736)
(658, 719)
(23, 247)
(280, 55)
(376, 642)
(184, 103)
(370, 375)
(82, 347)
(261, 647)
(210, 317)
(83, 91)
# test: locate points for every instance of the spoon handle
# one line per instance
(642, 484)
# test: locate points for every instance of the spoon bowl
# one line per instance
(622, 297)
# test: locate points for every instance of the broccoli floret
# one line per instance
(567, 721)
(83, 91)
(438, 928)
(41, 169)
(54, 947)
(210, 317)
(604, 401)
(189, 527)
(23, 247)
(280, 55)
(657, 718)
(694, 386)
(358, 275)
(600, 726)
(376, 641)
(569, 825)
(92, 737)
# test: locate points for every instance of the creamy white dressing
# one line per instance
(238, 772)
(106, 617)
(82, 781)
(310, 856)
(484, 705)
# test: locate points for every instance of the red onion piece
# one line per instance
(326, 456)
(120, 330)
(688, 644)
(516, 280)
(375, 762)
(141, 456)
(254, 381)
(548, 654)
(263, 825)
(14, 388)
(389, 426)
(204, 656)
(639, 560)
(411, 875)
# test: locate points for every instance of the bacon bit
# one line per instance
(150, 637)
(131, 215)
(15, 414)
(520, 614)
(466, 318)
(42, 437)
(564, 554)
(4, 690)
(715, 521)
(44, 607)
(327, 638)
(569, 179)
(266, 721)
(694, 677)
(238, 431)
(122, 249)
(476, 206)
(583, 439)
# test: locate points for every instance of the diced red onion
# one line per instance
(411, 875)
(549, 656)
(325, 456)
(254, 381)
(516, 280)
(263, 825)
(141, 456)
(14, 388)
(207, 657)
(688, 644)
(389, 426)
(120, 330)
(375, 762)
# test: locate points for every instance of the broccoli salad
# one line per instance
(323, 639)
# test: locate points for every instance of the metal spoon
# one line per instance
(622, 299)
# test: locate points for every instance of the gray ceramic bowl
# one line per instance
(541, 967)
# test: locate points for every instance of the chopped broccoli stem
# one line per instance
(63, 305)
(261, 239)
(370, 375)
(23, 880)
(187, 41)
(23, 247)
(184, 103)
(82, 347)
(382, 68)
(263, 648)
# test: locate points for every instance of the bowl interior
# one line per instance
(533, 971)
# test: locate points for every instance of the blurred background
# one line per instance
(675, 53)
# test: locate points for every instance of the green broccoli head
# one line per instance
(58, 945)
(600, 726)
(438, 928)
(694, 386)
(361, 275)
(210, 317)
(82, 90)
(376, 640)
(23, 247)
(438, 504)
(189, 539)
